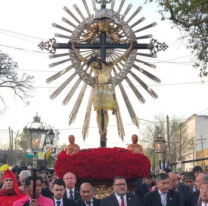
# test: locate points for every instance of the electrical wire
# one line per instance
(19, 37)
(22, 34)
(26, 50)
(138, 86)
(203, 111)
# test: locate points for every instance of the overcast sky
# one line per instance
(181, 92)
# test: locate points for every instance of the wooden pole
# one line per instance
(180, 146)
(168, 137)
(34, 174)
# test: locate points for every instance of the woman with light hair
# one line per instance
(22, 176)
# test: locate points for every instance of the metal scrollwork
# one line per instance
(157, 46)
(48, 45)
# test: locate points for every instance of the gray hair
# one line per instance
(86, 183)
(24, 174)
(162, 176)
(69, 173)
(205, 180)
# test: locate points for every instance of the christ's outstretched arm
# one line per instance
(77, 54)
(125, 54)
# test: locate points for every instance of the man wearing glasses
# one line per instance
(120, 197)
(204, 194)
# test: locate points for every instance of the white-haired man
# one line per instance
(22, 176)
(71, 191)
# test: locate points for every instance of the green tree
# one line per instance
(159, 127)
(190, 16)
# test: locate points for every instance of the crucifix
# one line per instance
(110, 38)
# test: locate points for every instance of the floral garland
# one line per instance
(103, 164)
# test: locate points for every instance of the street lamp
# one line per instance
(51, 136)
(36, 133)
(160, 147)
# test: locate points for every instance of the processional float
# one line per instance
(106, 34)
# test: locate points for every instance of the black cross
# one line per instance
(103, 46)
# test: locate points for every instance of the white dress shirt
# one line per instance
(163, 197)
(61, 200)
(90, 204)
(68, 194)
(119, 199)
(204, 204)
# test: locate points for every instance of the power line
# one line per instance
(18, 37)
(153, 85)
(22, 34)
(203, 111)
(26, 50)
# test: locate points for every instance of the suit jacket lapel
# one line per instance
(114, 200)
(82, 202)
(169, 198)
(128, 200)
(156, 198)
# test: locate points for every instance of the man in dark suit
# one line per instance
(195, 198)
(120, 197)
(189, 180)
(47, 192)
(181, 188)
(146, 186)
(138, 186)
(87, 199)
(71, 191)
(163, 195)
(59, 189)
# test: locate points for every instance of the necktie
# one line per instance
(58, 203)
(71, 195)
(163, 199)
(122, 201)
(89, 203)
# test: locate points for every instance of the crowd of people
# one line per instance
(164, 189)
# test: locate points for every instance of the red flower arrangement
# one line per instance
(103, 164)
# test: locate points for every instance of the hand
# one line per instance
(34, 202)
(133, 44)
(71, 45)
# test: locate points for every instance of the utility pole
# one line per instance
(180, 142)
(11, 144)
(202, 150)
(168, 137)
(180, 146)
(193, 150)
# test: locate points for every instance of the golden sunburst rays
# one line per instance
(73, 21)
(93, 5)
(85, 128)
(71, 14)
(61, 27)
(86, 7)
(120, 6)
(128, 103)
(146, 27)
(77, 104)
(134, 14)
(134, 89)
(127, 10)
(147, 88)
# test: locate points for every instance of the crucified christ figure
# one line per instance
(104, 97)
